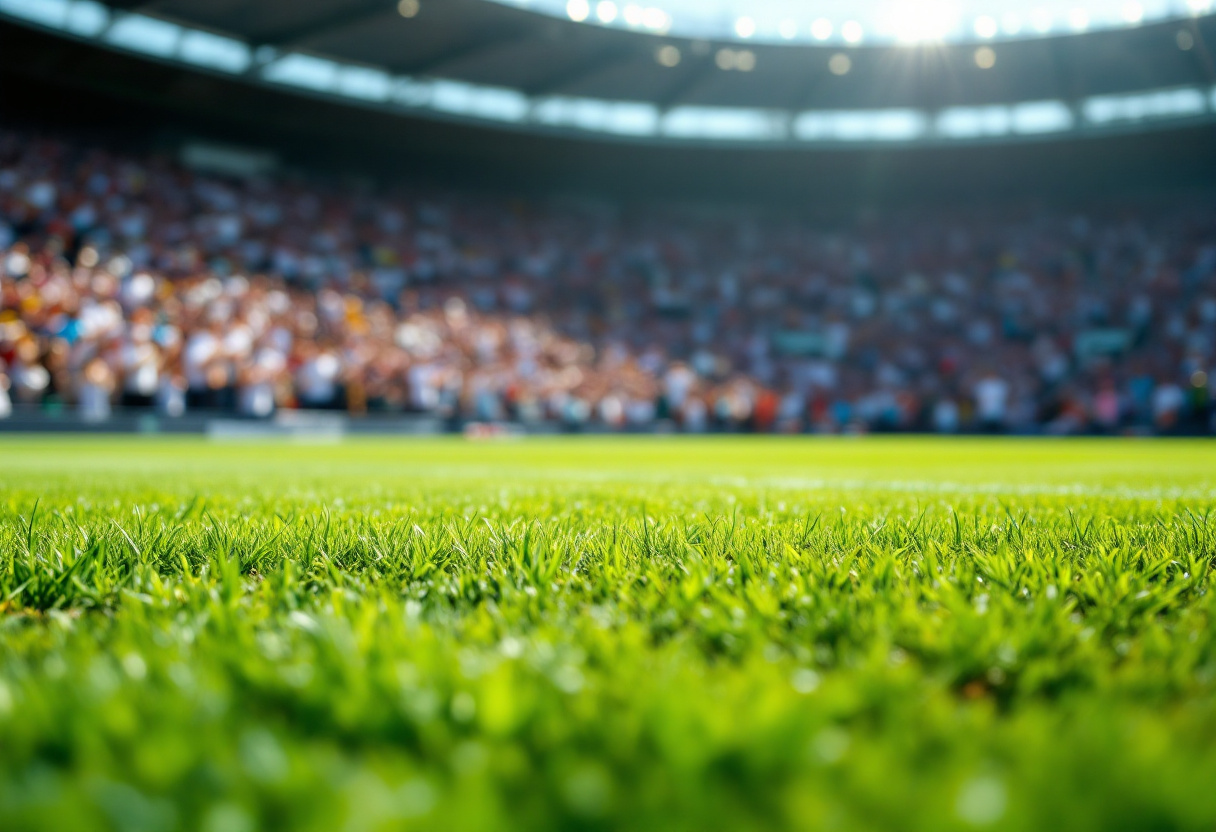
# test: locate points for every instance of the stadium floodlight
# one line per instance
(79, 17)
(973, 122)
(1042, 20)
(214, 51)
(743, 60)
(923, 22)
(667, 55)
(656, 20)
(624, 118)
(986, 27)
(412, 93)
(86, 18)
(365, 83)
(149, 35)
(578, 10)
(493, 103)
(733, 123)
(859, 126)
(1078, 19)
(877, 22)
(296, 69)
(1176, 103)
(1034, 117)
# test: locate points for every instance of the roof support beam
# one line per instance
(464, 49)
(1070, 85)
(804, 99)
(589, 68)
(352, 13)
(1202, 53)
(700, 70)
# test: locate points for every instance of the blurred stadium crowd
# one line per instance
(131, 281)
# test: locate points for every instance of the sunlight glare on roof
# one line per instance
(875, 21)
(860, 125)
(732, 123)
(1041, 117)
(299, 70)
(1175, 103)
(80, 17)
(494, 103)
(214, 51)
(973, 122)
(624, 118)
(145, 34)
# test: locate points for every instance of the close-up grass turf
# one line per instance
(729, 634)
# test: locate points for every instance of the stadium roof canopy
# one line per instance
(853, 22)
(697, 71)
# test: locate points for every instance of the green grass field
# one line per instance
(638, 634)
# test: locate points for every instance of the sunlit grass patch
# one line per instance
(730, 634)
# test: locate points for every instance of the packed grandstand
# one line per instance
(130, 281)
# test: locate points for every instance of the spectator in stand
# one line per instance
(144, 284)
(6, 403)
(945, 415)
(1107, 415)
(1168, 401)
(991, 402)
(96, 388)
(139, 363)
